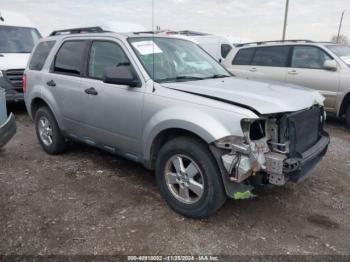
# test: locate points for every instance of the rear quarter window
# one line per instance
(244, 56)
(40, 55)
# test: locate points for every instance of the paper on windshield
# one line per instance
(346, 59)
(147, 47)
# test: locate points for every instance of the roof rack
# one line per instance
(146, 32)
(275, 41)
(82, 30)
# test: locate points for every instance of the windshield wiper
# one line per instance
(218, 76)
(180, 78)
(188, 78)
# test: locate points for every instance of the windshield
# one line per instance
(175, 60)
(18, 39)
(343, 51)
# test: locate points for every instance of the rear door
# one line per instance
(112, 115)
(261, 63)
(240, 64)
(307, 69)
(269, 63)
(65, 83)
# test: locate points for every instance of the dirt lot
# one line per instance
(89, 202)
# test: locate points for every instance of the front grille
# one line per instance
(302, 129)
(14, 76)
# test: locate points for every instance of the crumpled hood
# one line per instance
(265, 98)
(13, 61)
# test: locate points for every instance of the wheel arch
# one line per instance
(166, 135)
(38, 102)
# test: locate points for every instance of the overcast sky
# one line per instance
(253, 19)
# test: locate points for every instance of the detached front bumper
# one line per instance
(7, 130)
(311, 158)
(282, 169)
(242, 170)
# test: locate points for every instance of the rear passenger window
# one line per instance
(70, 58)
(104, 54)
(225, 49)
(244, 56)
(276, 56)
(40, 54)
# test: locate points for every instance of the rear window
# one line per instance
(244, 56)
(70, 58)
(276, 56)
(40, 54)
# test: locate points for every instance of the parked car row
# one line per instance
(166, 103)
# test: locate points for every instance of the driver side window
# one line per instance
(309, 57)
(104, 54)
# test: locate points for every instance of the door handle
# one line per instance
(253, 69)
(91, 91)
(292, 72)
(51, 83)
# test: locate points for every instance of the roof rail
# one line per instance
(275, 41)
(146, 32)
(82, 30)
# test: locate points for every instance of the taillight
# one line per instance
(24, 83)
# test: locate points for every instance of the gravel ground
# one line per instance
(90, 202)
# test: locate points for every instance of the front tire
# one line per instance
(189, 178)
(48, 132)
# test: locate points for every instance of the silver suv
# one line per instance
(321, 66)
(165, 103)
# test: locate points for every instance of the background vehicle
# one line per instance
(18, 36)
(217, 46)
(322, 66)
(166, 103)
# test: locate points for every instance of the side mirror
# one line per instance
(120, 75)
(330, 65)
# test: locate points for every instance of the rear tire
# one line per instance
(48, 132)
(198, 175)
(347, 116)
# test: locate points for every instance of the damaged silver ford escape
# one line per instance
(166, 103)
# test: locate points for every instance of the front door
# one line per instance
(112, 113)
(307, 69)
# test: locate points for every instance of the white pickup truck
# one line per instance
(18, 36)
